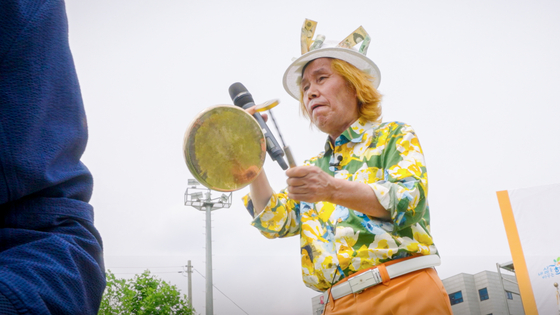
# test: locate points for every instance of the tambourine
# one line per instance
(224, 148)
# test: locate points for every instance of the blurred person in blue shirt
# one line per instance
(51, 259)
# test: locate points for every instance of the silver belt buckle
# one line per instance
(365, 280)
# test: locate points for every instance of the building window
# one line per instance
(509, 295)
(483, 293)
(456, 297)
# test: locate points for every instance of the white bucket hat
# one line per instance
(292, 76)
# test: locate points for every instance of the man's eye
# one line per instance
(321, 78)
(305, 88)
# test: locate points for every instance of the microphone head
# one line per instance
(239, 95)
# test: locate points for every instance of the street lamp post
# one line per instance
(201, 198)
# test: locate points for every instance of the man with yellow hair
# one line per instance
(360, 207)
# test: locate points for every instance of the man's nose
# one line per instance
(312, 91)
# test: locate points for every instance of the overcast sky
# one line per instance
(478, 80)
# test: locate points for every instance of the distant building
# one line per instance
(484, 293)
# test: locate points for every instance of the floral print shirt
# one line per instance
(336, 241)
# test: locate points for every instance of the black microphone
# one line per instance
(242, 98)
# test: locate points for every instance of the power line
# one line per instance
(145, 267)
(135, 273)
(223, 293)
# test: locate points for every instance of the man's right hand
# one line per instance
(252, 110)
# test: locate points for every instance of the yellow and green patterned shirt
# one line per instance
(336, 241)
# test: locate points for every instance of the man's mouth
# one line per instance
(315, 106)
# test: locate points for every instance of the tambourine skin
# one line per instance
(224, 148)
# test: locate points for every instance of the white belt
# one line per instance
(372, 277)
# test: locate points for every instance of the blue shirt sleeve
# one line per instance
(50, 252)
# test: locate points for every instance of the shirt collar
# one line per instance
(354, 133)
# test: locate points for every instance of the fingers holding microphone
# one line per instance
(254, 109)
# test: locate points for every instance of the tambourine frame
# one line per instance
(224, 148)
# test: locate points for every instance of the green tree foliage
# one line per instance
(142, 295)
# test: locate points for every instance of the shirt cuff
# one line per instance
(382, 190)
(248, 202)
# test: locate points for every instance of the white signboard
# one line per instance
(532, 221)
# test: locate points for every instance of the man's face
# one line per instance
(331, 104)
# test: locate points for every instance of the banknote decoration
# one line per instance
(318, 42)
(358, 36)
(365, 44)
(307, 32)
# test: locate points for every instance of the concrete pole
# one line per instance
(209, 283)
(189, 272)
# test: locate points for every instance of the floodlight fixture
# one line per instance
(196, 196)
(201, 198)
(224, 198)
(193, 183)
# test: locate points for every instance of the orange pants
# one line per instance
(417, 293)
